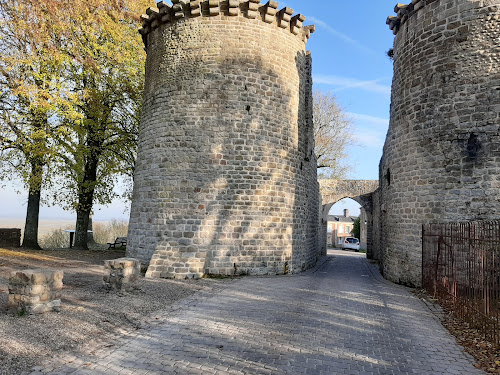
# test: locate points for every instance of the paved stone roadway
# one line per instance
(342, 318)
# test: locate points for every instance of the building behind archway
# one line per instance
(339, 227)
(360, 191)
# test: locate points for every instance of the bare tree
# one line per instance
(333, 133)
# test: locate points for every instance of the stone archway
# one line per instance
(360, 191)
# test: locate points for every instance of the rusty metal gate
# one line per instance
(461, 267)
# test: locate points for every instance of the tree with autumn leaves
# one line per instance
(108, 73)
(71, 76)
(31, 83)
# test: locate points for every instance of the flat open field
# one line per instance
(46, 226)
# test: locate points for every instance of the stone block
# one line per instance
(121, 274)
(35, 291)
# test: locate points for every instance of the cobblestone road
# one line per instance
(341, 318)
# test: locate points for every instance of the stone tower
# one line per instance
(225, 180)
(441, 160)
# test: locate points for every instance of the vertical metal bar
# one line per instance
(496, 291)
(423, 255)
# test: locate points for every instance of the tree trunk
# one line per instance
(82, 223)
(30, 238)
(90, 235)
(85, 199)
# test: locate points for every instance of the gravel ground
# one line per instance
(90, 317)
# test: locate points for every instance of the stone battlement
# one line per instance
(403, 12)
(252, 9)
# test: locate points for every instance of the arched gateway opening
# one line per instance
(360, 191)
(343, 218)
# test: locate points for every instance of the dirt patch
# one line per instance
(90, 316)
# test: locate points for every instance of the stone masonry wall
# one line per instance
(335, 190)
(225, 179)
(442, 153)
(377, 246)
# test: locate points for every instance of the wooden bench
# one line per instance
(121, 241)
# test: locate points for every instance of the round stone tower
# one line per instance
(441, 159)
(225, 180)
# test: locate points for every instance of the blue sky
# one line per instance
(349, 59)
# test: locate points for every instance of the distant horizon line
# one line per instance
(56, 218)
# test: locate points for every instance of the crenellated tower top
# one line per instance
(269, 13)
(403, 12)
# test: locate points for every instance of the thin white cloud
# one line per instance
(339, 35)
(370, 139)
(370, 130)
(344, 83)
(371, 119)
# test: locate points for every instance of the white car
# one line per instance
(351, 243)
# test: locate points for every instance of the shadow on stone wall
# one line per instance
(226, 189)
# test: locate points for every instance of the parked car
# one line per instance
(351, 243)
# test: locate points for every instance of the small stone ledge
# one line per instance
(35, 291)
(165, 14)
(121, 274)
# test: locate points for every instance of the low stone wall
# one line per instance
(35, 291)
(10, 237)
(121, 274)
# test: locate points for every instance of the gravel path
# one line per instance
(91, 317)
(341, 318)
